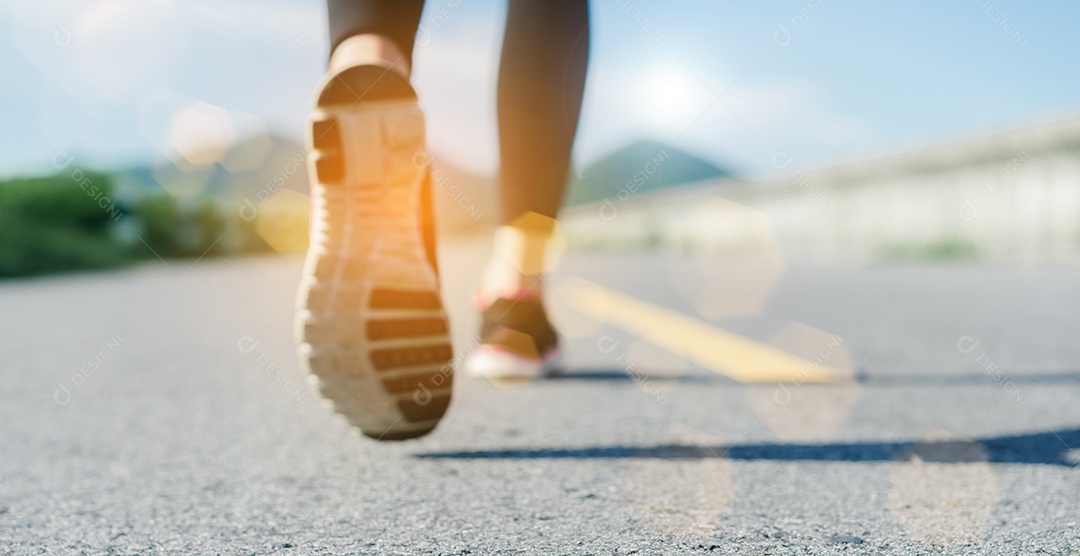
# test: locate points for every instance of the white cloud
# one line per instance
(733, 120)
(455, 76)
(95, 62)
(241, 57)
(124, 46)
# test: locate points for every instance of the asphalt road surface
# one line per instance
(161, 410)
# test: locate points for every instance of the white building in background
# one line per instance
(1007, 196)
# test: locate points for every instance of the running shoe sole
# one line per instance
(370, 323)
(496, 363)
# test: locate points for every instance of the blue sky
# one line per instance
(825, 81)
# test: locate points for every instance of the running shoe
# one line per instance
(370, 323)
(517, 342)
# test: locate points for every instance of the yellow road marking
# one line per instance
(722, 352)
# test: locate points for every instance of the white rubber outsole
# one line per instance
(497, 364)
(370, 325)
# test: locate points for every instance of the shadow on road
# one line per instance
(603, 375)
(862, 378)
(1049, 448)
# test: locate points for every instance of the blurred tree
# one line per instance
(159, 220)
(58, 223)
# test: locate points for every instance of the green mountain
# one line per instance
(639, 167)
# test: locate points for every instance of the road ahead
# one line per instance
(161, 410)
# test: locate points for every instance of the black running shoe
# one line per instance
(518, 342)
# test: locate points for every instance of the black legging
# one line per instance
(541, 80)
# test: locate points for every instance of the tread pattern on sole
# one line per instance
(388, 298)
(383, 359)
(370, 324)
(405, 328)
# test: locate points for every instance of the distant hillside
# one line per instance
(464, 201)
(639, 167)
(258, 165)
